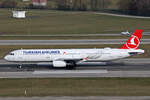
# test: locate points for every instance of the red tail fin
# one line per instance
(134, 40)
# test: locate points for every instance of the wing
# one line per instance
(69, 59)
(75, 58)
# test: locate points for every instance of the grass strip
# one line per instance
(75, 87)
(63, 37)
(65, 22)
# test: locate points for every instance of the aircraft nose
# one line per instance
(6, 57)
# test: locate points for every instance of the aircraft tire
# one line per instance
(71, 66)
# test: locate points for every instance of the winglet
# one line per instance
(134, 40)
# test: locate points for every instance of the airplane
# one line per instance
(125, 33)
(68, 58)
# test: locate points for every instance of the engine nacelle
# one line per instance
(59, 64)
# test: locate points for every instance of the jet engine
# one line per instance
(59, 64)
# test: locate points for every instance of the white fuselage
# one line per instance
(49, 55)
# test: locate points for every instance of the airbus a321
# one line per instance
(70, 57)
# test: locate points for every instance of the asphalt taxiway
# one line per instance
(124, 68)
(68, 42)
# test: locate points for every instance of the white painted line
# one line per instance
(71, 72)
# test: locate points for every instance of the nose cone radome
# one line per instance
(7, 58)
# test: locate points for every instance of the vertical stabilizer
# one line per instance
(134, 40)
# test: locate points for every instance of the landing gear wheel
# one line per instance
(19, 66)
(71, 65)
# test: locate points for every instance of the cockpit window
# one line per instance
(11, 53)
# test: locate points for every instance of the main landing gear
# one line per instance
(20, 66)
(71, 65)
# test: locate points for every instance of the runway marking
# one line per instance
(71, 72)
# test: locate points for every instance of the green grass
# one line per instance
(60, 22)
(63, 37)
(6, 49)
(75, 87)
(58, 37)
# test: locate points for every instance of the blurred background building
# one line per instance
(39, 2)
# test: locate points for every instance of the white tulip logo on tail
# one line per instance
(133, 42)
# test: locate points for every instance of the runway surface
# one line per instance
(123, 68)
(68, 42)
(80, 98)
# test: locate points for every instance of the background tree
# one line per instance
(135, 7)
(63, 5)
(8, 4)
(143, 7)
